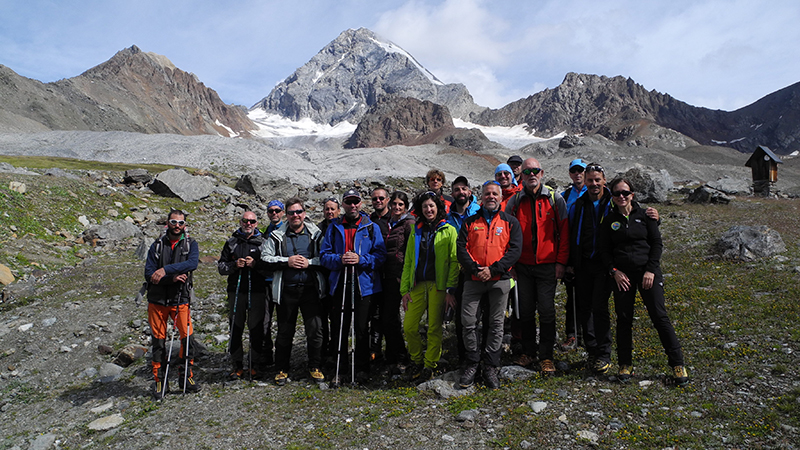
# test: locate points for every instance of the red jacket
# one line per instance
(545, 233)
(496, 245)
(508, 193)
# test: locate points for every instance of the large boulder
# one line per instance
(112, 232)
(705, 194)
(137, 176)
(747, 243)
(731, 186)
(266, 188)
(181, 184)
(649, 186)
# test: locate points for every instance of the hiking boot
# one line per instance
(490, 377)
(425, 375)
(601, 367)
(316, 375)
(468, 376)
(625, 372)
(571, 343)
(524, 360)
(281, 377)
(680, 375)
(362, 377)
(156, 389)
(191, 386)
(547, 367)
(237, 374)
(413, 371)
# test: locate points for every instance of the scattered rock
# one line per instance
(61, 173)
(469, 414)
(747, 243)
(43, 442)
(8, 168)
(593, 438)
(650, 186)
(6, 277)
(115, 231)
(25, 327)
(17, 186)
(731, 186)
(106, 423)
(109, 372)
(49, 321)
(129, 354)
(705, 194)
(515, 372)
(137, 176)
(84, 221)
(537, 407)
(179, 183)
(266, 188)
(444, 389)
(102, 408)
(105, 349)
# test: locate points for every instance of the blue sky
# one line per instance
(721, 54)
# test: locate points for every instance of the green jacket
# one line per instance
(446, 261)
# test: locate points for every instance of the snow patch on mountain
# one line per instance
(511, 137)
(392, 48)
(277, 126)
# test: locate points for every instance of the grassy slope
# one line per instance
(741, 394)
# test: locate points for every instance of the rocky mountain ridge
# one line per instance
(351, 74)
(589, 104)
(133, 91)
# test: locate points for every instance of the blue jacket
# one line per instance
(456, 220)
(368, 243)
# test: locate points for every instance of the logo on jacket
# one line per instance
(498, 231)
(615, 226)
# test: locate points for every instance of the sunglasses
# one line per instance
(576, 169)
(352, 201)
(249, 221)
(532, 171)
(177, 222)
(502, 174)
(595, 168)
(621, 193)
(430, 194)
(295, 212)
(378, 198)
(274, 210)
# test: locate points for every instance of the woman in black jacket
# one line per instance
(631, 250)
(401, 224)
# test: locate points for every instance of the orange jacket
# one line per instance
(508, 193)
(545, 236)
(495, 244)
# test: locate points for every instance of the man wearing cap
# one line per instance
(275, 216)
(353, 245)
(515, 162)
(571, 194)
(544, 222)
(504, 176)
(464, 205)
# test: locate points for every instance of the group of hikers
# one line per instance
(490, 263)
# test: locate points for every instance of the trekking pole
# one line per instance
(233, 316)
(353, 325)
(250, 339)
(575, 316)
(186, 359)
(341, 328)
(169, 359)
(516, 301)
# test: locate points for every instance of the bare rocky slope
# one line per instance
(132, 91)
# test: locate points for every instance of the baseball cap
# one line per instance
(352, 192)
(461, 179)
(577, 162)
(514, 159)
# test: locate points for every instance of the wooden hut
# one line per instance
(764, 164)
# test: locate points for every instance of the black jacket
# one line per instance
(240, 246)
(182, 259)
(632, 243)
(584, 228)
